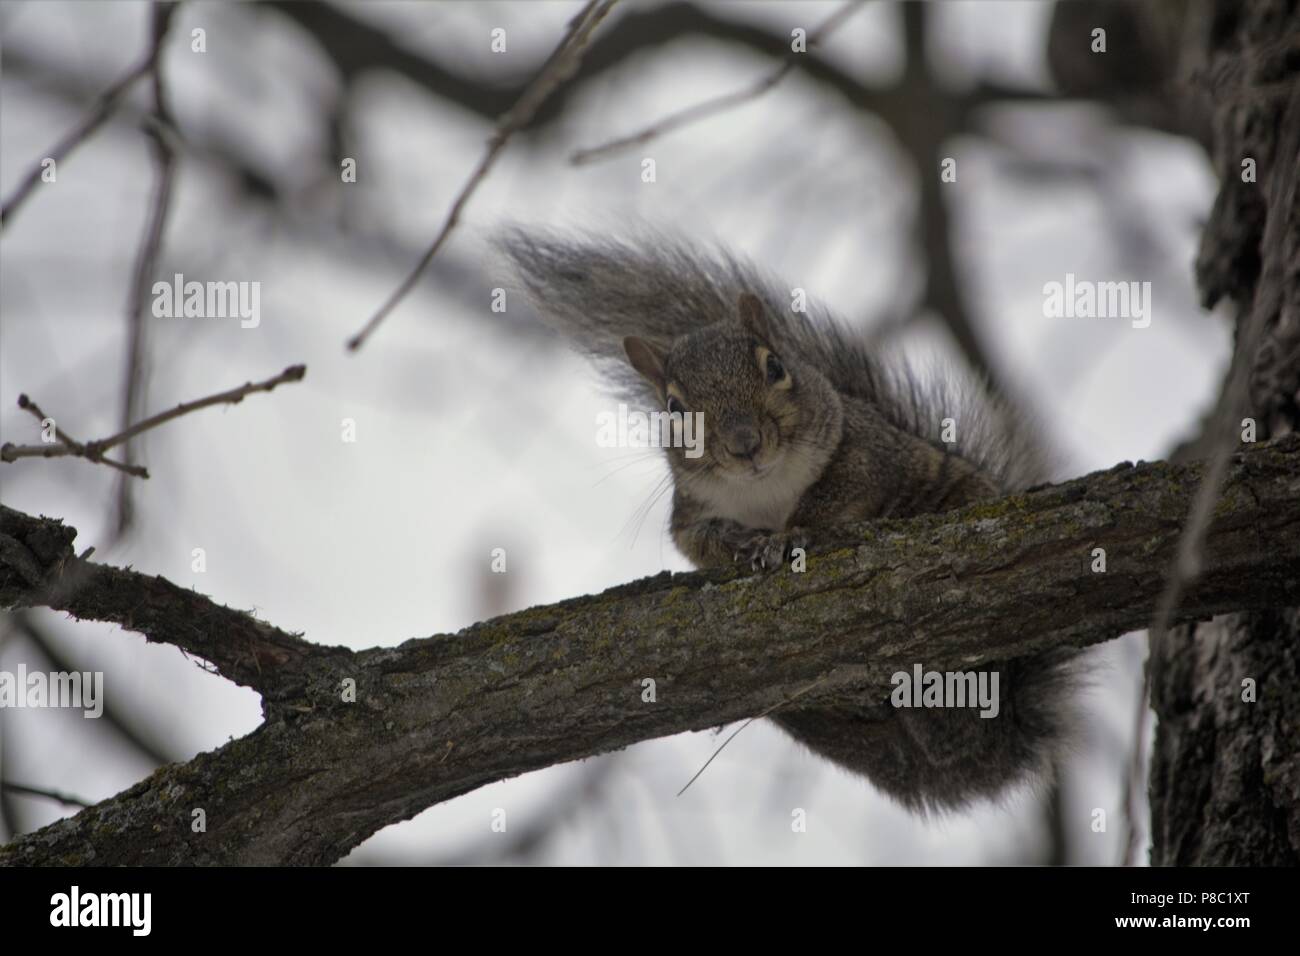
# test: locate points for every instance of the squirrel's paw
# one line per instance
(767, 552)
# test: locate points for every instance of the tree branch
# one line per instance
(94, 450)
(1223, 788)
(560, 67)
(161, 130)
(69, 443)
(440, 716)
(38, 569)
(23, 790)
(717, 104)
(102, 110)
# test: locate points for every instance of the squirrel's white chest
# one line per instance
(766, 503)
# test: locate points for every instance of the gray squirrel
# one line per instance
(809, 432)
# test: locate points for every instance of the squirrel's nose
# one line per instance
(742, 441)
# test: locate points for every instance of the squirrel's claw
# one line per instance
(769, 551)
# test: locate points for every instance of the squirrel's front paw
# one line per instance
(766, 552)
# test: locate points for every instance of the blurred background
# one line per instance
(475, 429)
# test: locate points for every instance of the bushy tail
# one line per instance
(944, 759)
(595, 290)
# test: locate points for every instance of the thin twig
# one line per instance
(96, 117)
(781, 703)
(562, 64)
(26, 403)
(1134, 770)
(94, 450)
(63, 798)
(718, 104)
(294, 373)
(160, 128)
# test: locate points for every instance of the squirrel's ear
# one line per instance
(647, 360)
(754, 317)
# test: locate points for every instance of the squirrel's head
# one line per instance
(759, 410)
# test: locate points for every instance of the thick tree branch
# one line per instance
(440, 716)
(38, 569)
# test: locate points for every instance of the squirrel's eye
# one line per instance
(674, 406)
(775, 370)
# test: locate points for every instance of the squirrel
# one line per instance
(809, 432)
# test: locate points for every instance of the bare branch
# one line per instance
(94, 450)
(38, 569)
(563, 64)
(721, 747)
(1134, 771)
(63, 798)
(101, 112)
(718, 104)
(922, 113)
(68, 441)
(440, 716)
(160, 131)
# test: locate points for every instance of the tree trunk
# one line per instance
(1225, 772)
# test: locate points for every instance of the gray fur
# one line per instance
(855, 436)
(595, 290)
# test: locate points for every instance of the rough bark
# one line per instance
(1225, 781)
(439, 716)
(1225, 773)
